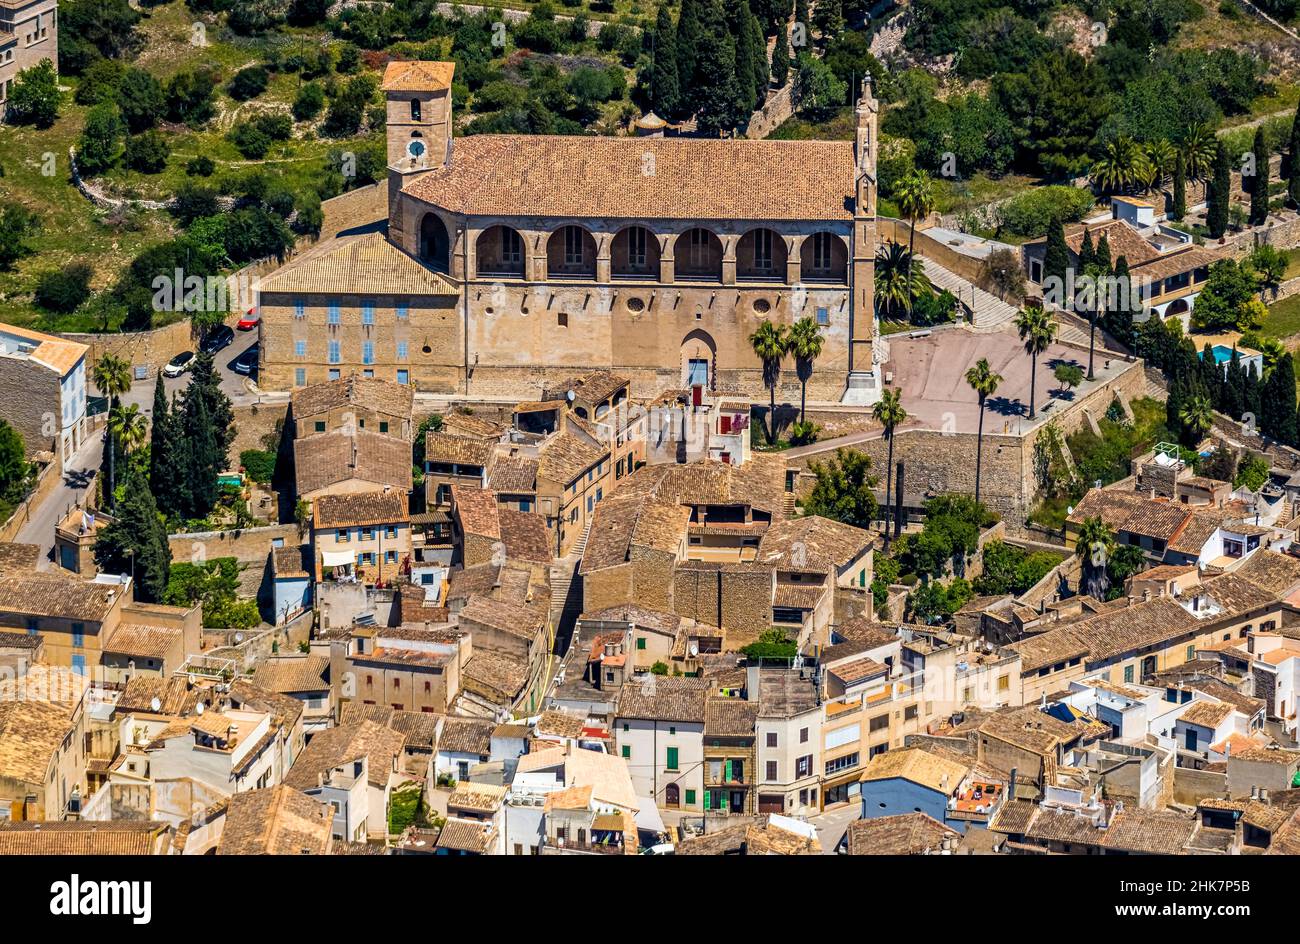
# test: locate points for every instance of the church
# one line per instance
(510, 262)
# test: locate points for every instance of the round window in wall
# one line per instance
(636, 304)
(762, 306)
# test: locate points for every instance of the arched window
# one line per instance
(571, 253)
(823, 258)
(500, 252)
(634, 254)
(760, 256)
(435, 244)
(699, 255)
(415, 109)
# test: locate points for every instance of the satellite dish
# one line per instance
(198, 709)
(239, 637)
(571, 396)
(155, 704)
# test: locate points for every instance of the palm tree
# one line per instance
(889, 413)
(1037, 332)
(1198, 144)
(984, 382)
(1122, 166)
(1161, 156)
(1093, 548)
(915, 198)
(1196, 415)
(770, 343)
(128, 426)
(899, 278)
(805, 343)
(112, 377)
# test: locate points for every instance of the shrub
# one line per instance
(201, 166)
(64, 290)
(251, 141)
(248, 82)
(147, 152)
(1029, 214)
(259, 464)
(309, 101)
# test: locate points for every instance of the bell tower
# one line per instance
(864, 384)
(419, 128)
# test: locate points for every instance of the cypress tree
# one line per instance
(1216, 217)
(1292, 169)
(687, 42)
(205, 429)
(762, 72)
(1087, 255)
(162, 452)
(1119, 320)
(1252, 392)
(1056, 255)
(1232, 387)
(718, 93)
(781, 59)
(1102, 255)
(1211, 376)
(1280, 399)
(1179, 209)
(1259, 182)
(746, 90)
(1173, 410)
(665, 92)
(136, 543)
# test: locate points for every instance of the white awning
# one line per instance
(338, 558)
(648, 818)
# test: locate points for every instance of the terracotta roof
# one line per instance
(479, 797)
(750, 839)
(462, 450)
(275, 821)
(1112, 505)
(53, 594)
(84, 838)
(502, 674)
(730, 717)
(524, 535)
(640, 616)
(812, 544)
(860, 629)
(663, 698)
(1035, 730)
(337, 746)
(355, 390)
(1173, 263)
(503, 615)
(297, 673)
(1156, 519)
(1237, 594)
(1155, 832)
(699, 178)
(291, 561)
(358, 265)
(1277, 573)
(419, 728)
(1206, 713)
(919, 766)
(18, 556)
(592, 387)
(623, 522)
(175, 696)
(1198, 529)
(360, 509)
(908, 834)
(418, 76)
(560, 724)
(283, 709)
(514, 475)
(466, 736)
(30, 733)
(564, 457)
(857, 670)
(326, 459)
(476, 510)
(466, 835)
(1122, 238)
(58, 354)
(460, 423)
(150, 642)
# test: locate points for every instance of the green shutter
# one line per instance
(728, 773)
(708, 797)
(690, 797)
(672, 758)
(640, 643)
(627, 750)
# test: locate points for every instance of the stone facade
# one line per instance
(541, 296)
(29, 33)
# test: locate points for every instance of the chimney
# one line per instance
(1011, 785)
(1146, 595)
(1263, 797)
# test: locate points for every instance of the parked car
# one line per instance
(249, 321)
(217, 338)
(179, 364)
(246, 362)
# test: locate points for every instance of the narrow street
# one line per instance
(76, 479)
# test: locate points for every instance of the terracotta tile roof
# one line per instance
(466, 835)
(58, 354)
(1268, 755)
(84, 838)
(462, 450)
(420, 728)
(813, 544)
(1237, 594)
(1122, 238)
(326, 459)
(1049, 648)
(504, 615)
(150, 642)
(291, 561)
(1112, 505)
(458, 423)
(1224, 692)
(30, 733)
(857, 670)
(285, 710)
(275, 821)
(797, 596)
(663, 698)
(1036, 730)
(476, 510)
(466, 736)
(500, 673)
(1155, 832)
(51, 594)
(624, 522)
(751, 839)
(565, 456)
(18, 556)
(643, 617)
(360, 509)
(1199, 528)
(514, 475)
(1277, 573)
(355, 390)
(593, 387)
(1206, 714)
(10, 640)
(570, 798)
(908, 834)
(337, 746)
(1156, 519)
(860, 629)
(479, 797)
(1174, 263)
(175, 697)
(701, 178)
(919, 766)
(358, 265)
(1013, 817)
(418, 76)
(524, 535)
(297, 673)
(560, 724)
(759, 483)
(730, 717)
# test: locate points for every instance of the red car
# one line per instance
(249, 321)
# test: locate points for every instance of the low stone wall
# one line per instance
(46, 482)
(148, 349)
(968, 267)
(248, 546)
(1191, 786)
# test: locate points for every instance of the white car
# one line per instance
(179, 364)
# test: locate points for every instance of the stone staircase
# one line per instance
(566, 587)
(988, 312)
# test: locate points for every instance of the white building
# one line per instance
(43, 388)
